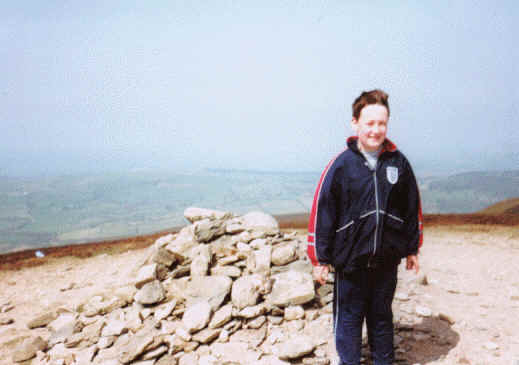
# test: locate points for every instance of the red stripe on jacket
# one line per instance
(420, 223)
(312, 240)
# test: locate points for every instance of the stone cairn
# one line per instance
(224, 290)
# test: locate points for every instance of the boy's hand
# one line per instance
(412, 263)
(321, 273)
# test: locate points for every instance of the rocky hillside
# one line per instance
(224, 290)
(509, 206)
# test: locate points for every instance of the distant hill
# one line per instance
(468, 192)
(509, 206)
(504, 213)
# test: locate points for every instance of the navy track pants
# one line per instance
(365, 294)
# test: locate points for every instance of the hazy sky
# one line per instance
(97, 86)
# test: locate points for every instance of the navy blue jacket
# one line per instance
(362, 217)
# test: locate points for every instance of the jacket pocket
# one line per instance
(392, 217)
(344, 243)
(345, 226)
(394, 238)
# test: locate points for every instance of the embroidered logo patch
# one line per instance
(392, 174)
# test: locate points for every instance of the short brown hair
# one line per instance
(376, 96)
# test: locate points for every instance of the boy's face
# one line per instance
(371, 127)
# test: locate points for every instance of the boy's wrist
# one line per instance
(329, 267)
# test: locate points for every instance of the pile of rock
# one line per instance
(225, 290)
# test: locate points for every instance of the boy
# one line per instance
(365, 217)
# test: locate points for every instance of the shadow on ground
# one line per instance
(425, 342)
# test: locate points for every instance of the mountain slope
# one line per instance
(509, 206)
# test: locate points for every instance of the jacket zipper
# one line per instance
(377, 208)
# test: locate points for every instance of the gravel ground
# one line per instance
(473, 282)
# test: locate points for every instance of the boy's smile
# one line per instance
(371, 127)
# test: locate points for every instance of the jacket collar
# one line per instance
(387, 145)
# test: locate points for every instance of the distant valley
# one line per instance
(67, 209)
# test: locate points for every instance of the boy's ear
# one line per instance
(354, 124)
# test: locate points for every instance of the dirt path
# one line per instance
(473, 279)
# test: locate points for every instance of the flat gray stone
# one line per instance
(92, 331)
(294, 348)
(136, 346)
(27, 350)
(234, 352)
(254, 337)
(74, 340)
(42, 320)
(230, 271)
(164, 240)
(197, 316)
(202, 257)
(194, 214)
(253, 311)
(260, 221)
(155, 353)
(162, 256)
(292, 288)
(206, 335)
(234, 226)
(183, 243)
(86, 355)
(245, 291)
(167, 360)
(105, 342)
(213, 289)
(164, 310)
(221, 316)
(206, 230)
(146, 274)
(114, 327)
(259, 262)
(319, 329)
(5, 321)
(447, 318)
(63, 327)
(256, 322)
(283, 254)
(294, 312)
(150, 293)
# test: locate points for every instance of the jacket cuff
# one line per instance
(413, 251)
